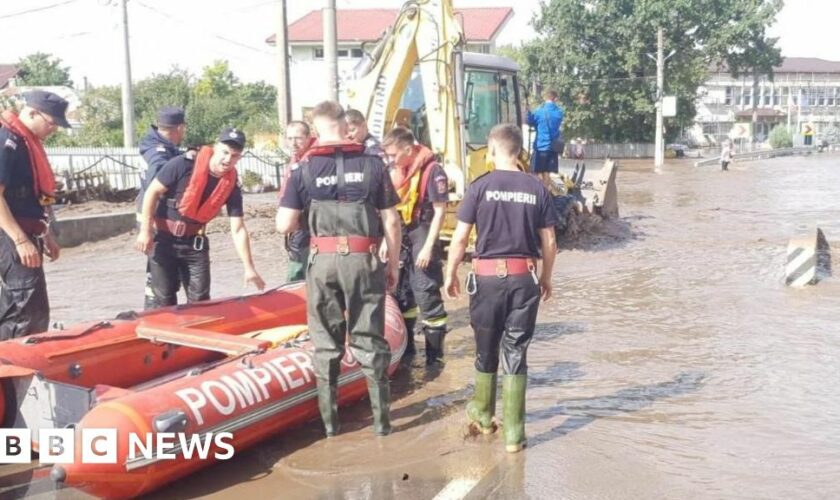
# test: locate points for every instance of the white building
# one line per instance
(804, 93)
(308, 73)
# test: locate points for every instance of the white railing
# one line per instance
(122, 166)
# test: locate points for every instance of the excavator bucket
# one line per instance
(808, 259)
(598, 189)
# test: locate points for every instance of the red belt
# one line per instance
(503, 267)
(32, 226)
(343, 244)
(177, 228)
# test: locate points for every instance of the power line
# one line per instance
(37, 9)
(214, 35)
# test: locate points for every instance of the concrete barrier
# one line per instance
(760, 155)
(77, 230)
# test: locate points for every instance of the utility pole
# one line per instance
(331, 49)
(284, 104)
(127, 99)
(660, 82)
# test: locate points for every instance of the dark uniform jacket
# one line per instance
(16, 176)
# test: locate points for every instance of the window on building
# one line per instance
(768, 95)
(747, 97)
(727, 99)
(739, 96)
(341, 53)
(777, 96)
(785, 95)
(829, 100)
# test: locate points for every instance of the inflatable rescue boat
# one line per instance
(238, 368)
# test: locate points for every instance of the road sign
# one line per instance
(669, 106)
(741, 131)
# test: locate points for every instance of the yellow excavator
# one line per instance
(418, 75)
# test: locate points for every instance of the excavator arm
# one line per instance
(425, 35)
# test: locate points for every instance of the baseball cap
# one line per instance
(48, 103)
(170, 117)
(233, 136)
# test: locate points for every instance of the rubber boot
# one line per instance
(410, 349)
(434, 343)
(328, 404)
(380, 405)
(513, 402)
(481, 409)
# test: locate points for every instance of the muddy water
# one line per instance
(672, 362)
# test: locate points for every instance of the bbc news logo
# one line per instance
(99, 446)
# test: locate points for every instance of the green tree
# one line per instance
(101, 114)
(42, 69)
(752, 52)
(780, 137)
(594, 53)
(217, 80)
(214, 101)
(150, 94)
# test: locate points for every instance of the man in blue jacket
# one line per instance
(548, 144)
(157, 147)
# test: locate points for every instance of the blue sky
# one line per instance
(193, 33)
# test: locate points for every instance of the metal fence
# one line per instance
(628, 150)
(122, 166)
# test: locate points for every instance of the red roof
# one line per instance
(362, 25)
(7, 72)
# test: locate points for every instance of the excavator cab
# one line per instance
(488, 95)
(417, 75)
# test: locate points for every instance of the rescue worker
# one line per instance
(548, 143)
(298, 140)
(158, 146)
(27, 189)
(423, 189)
(357, 131)
(350, 200)
(192, 191)
(514, 219)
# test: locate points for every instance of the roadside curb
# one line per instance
(74, 231)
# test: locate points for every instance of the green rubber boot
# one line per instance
(380, 403)
(481, 409)
(328, 405)
(513, 402)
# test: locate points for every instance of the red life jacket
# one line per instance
(411, 183)
(330, 148)
(42, 174)
(190, 204)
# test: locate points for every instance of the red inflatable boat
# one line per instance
(216, 376)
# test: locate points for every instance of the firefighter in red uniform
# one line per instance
(423, 188)
(192, 191)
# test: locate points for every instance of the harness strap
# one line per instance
(341, 189)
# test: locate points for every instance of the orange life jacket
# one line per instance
(411, 183)
(190, 204)
(42, 174)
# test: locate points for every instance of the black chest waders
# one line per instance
(504, 301)
(346, 294)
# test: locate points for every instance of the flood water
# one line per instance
(672, 361)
